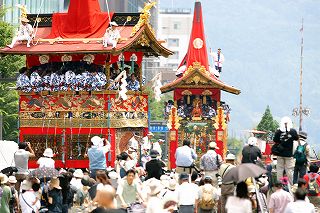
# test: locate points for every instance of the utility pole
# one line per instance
(301, 58)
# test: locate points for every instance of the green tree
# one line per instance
(267, 123)
(9, 65)
(235, 145)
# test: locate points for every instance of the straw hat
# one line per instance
(12, 179)
(55, 183)
(113, 23)
(172, 184)
(3, 178)
(96, 140)
(24, 19)
(113, 175)
(213, 145)
(230, 157)
(48, 153)
(252, 141)
(155, 186)
(78, 173)
(26, 185)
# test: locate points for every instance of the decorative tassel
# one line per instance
(204, 99)
(188, 99)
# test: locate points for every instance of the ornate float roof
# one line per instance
(55, 37)
(197, 74)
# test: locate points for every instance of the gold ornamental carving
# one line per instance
(207, 92)
(186, 92)
(143, 41)
(144, 17)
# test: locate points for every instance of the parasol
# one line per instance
(44, 172)
(243, 171)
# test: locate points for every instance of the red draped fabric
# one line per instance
(216, 93)
(197, 51)
(83, 20)
(127, 56)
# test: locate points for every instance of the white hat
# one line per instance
(213, 145)
(96, 140)
(26, 185)
(24, 19)
(172, 184)
(78, 173)
(150, 133)
(285, 121)
(48, 153)
(3, 178)
(252, 141)
(113, 23)
(12, 179)
(251, 189)
(155, 186)
(113, 175)
(230, 157)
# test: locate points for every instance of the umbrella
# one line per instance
(243, 171)
(44, 172)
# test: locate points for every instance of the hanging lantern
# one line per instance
(187, 93)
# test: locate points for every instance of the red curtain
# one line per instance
(216, 93)
(127, 56)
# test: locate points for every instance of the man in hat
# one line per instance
(157, 146)
(211, 162)
(251, 152)
(218, 59)
(302, 156)
(97, 155)
(227, 188)
(112, 35)
(46, 160)
(146, 141)
(187, 195)
(154, 166)
(24, 33)
(185, 157)
(14, 201)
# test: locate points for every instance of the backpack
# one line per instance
(313, 187)
(207, 201)
(300, 154)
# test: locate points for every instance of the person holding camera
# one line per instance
(284, 138)
(21, 158)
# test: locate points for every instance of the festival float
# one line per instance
(197, 111)
(65, 114)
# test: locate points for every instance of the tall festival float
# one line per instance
(197, 111)
(65, 118)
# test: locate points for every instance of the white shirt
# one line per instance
(185, 156)
(154, 205)
(215, 58)
(112, 34)
(157, 147)
(25, 30)
(187, 194)
(299, 206)
(239, 205)
(146, 143)
(45, 162)
(28, 199)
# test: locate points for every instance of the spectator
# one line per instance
(128, 190)
(187, 195)
(55, 199)
(133, 83)
(47, 160)
(154, 204)
(240, 202)
(208, 196)
(279, 199)
(97, 155)
(211, 162)
(5, 195)
(154, 166)
(313, 184)
(302, 156)
(67, 191)
(251, 153)
(227, 188)
(28, 200)
(185, 157)
(14, 201)
(157, 146)
(284, 138)
(300, 205)
(21, 158)
(171, 194)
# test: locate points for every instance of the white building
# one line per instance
(174, 27)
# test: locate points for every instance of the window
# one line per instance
(175, 55)
(176, 25)
(173, 42)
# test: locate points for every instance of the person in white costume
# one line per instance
(24, 33)
(112, 35)
(218, 59)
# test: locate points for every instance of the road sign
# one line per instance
(158, 128)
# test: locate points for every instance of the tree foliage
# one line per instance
(235, 145)
(9, 66)
(267, 123)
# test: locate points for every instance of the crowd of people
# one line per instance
(147, 186)
(72, 76)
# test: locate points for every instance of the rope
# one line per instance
(36, 23)
(108, 10)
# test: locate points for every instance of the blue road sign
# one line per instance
(158, 128)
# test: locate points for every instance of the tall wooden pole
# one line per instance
(301, 58)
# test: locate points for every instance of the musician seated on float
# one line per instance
(133, 83)
(24, 33)
(112, 35)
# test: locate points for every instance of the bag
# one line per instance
(217, 161)
(12, 201)
(300, 154)
(313, 187)
(207, 201)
